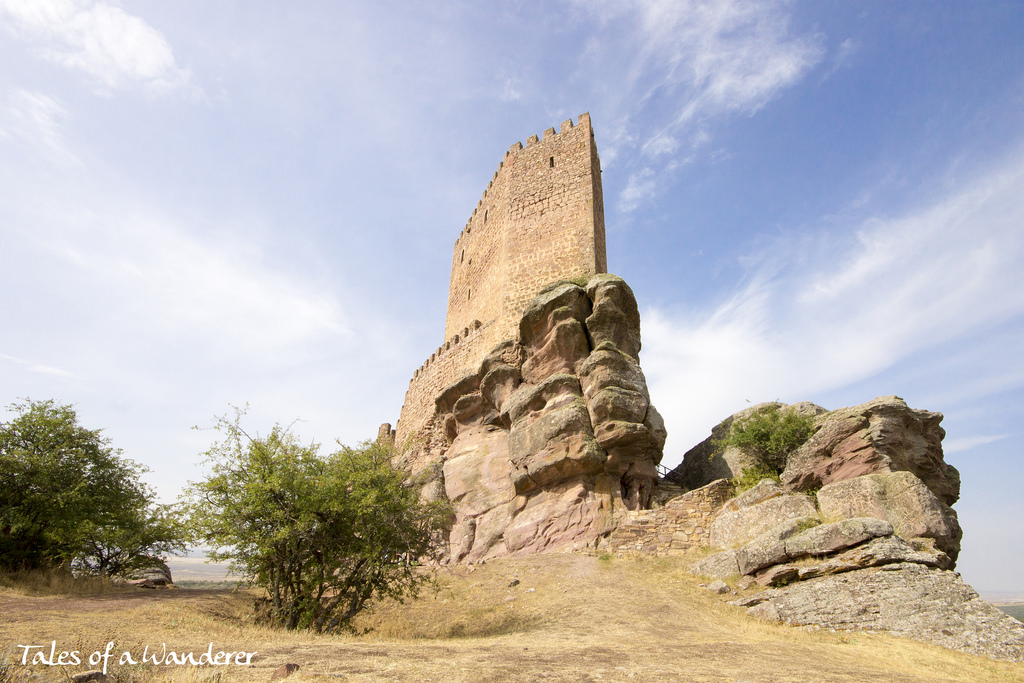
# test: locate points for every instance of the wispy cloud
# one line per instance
(639, 188)
(115, 49)
(36, 120)
(970, 442)
(35, 367)
(823, 312)
(683, 63)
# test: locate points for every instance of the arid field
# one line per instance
(557, 617)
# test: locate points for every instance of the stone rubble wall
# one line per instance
(683, 523)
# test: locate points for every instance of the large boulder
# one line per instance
(738, 526)
(153, 573)
(876, 552)
(882, 435)
(900, 498)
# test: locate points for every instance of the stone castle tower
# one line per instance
(541, 219)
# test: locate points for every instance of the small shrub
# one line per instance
(769, 436)
(752, 475)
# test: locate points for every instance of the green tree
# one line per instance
(324, 535)
(68, 499)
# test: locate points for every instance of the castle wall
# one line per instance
(540, 219)
(446, 365)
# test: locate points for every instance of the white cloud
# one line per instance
(690, 61)
(115, 49)
(35, 367)
(36, 120)
(825, 313)
(639, 188)
(177, 286)
(968, 443)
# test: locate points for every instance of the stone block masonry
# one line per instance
(541, 219)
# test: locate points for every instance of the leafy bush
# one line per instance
(323, 535)
(768, 435)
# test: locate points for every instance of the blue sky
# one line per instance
(206, 204)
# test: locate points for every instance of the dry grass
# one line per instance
(569, 618)
(55, 582)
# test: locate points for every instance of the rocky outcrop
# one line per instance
(872, 548)
(554, 435)
(156, 574)
(907, 599)
(900, 498)
(883, 435)
(707, 462)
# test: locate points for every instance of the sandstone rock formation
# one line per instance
(880, 459)
(873, 544)
(883, 435)
(553, 436)
(705, 463)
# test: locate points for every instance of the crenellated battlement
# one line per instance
(540, 219)
(533, 140)
(454, 341)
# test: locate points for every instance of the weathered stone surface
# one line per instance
(553, 443)
(466, 384)
(826, 539)
(759, 493)
(616, 403)
(498, 385)
(552, 332)
(874, 553)
(476, 478)
(476, 473)
(770, 547)
(718, 566)
(155, 575)
(656, 428)
(902, 499)
(736, 527)
(615, 318)
(606, 366)
(530, 401)
(906, 599)
(564, 515)
(882, 435)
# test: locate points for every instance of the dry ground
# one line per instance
(569, 618)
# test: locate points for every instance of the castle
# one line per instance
(535, 423)
(541, 219)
